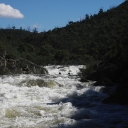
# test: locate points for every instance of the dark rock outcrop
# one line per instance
(112, 75)
(120, 96)
(105, 75)
(19, 66)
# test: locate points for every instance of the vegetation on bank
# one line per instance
(93, 38)
(99, 41)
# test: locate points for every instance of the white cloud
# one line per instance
(36, 25)
(8, 12)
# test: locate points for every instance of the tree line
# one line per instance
(96, 38)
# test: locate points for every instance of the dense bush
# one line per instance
(97, 37)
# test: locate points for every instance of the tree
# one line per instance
(35, 30)
(13, 27)
(101, 11)
(87, 17)
(70, 22)
(62, 55)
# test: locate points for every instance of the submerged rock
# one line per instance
(38, 82)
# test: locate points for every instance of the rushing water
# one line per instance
(56, 101)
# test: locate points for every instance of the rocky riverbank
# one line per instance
(19, 66)
(109, 75)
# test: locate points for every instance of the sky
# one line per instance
(46, 15)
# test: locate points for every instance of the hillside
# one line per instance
(80, 42)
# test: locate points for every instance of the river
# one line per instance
(57, 100)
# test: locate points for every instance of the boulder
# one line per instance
(20, 66)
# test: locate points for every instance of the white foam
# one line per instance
(64, 70)
(68, 103)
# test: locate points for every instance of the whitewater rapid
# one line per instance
(57, 100)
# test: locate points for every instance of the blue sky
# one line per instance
(47, 14)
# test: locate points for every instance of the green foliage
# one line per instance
(90, 68)
(2, 50)
(25, 47)
(62, 55)
(101, 37)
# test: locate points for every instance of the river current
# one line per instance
(57, 100)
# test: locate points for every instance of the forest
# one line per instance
(97, 37)
(98, 41)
